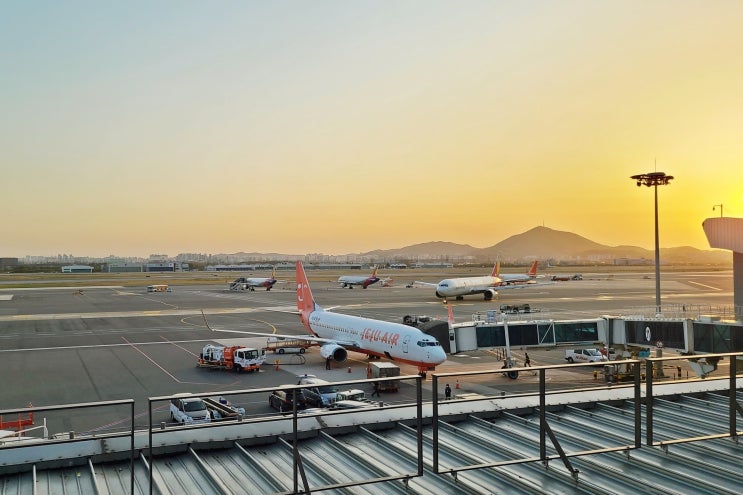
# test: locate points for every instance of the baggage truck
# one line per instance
(222, 409)
(385, 370)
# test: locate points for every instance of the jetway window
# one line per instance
(586, 331)
(718, 337)
(649, 333)
(538, 334)
(518, 335)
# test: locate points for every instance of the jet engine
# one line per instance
(490, 293)
(334, 351)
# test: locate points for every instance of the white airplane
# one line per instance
(517, 278)
(488, 285)
(351, 280)
(337, 332)
(251, 283)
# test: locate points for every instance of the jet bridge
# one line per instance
(727, 233)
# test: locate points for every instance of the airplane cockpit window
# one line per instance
(443, 285)
(428, 343)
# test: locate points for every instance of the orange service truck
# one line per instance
(236, 358)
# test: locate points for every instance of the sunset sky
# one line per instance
(139, 127)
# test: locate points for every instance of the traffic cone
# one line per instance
(349, 369)
(277, 365)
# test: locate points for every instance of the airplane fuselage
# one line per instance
(455, 287)
(515, 279)
(252, 283)
(350, 281)
(393, 341)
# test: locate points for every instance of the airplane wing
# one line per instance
(425, 284)
(308, 338)
(282, 309)
(521, 286)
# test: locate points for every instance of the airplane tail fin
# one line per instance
(273, 272)
(533, 270)
(451, 316)
(496, 269)
(374, 273)
(305, 301)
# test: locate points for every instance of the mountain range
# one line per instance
(543, 243)
(540, 243)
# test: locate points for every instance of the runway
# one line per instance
(59, 347)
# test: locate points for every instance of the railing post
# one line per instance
(733, 410)
(542, 415)
(649, 402)
(637, 368)
(435, 422)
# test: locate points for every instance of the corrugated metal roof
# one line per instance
(376, 451)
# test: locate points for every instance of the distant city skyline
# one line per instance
(538, 243)
(339, 127)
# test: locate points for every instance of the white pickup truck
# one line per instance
(584, 356)
(189, 410)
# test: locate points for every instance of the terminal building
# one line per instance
(77, 269)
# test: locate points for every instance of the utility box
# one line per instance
(385, 370)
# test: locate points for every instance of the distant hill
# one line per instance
(435, 249)
(547, 244)
(540, 243)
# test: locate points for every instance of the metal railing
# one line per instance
(640, 382)
(75, 437)
(299, 474)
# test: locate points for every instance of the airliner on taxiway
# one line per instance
(351, 280)
(251, 283)
(488, 285)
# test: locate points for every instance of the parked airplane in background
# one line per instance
(487, 285)
(517, 278)
(251, 283)
(465, 286)
(337, 332)
(351, 280)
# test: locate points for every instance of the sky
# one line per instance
(334, 126)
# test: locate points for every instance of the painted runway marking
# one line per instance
(96, 346)
(178, 346)
(703, 285)
(134, 346)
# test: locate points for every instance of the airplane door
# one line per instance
(405, 342)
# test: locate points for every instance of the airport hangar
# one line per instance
(589, 441)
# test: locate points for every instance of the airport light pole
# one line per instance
(655, 179)
(715, 206)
